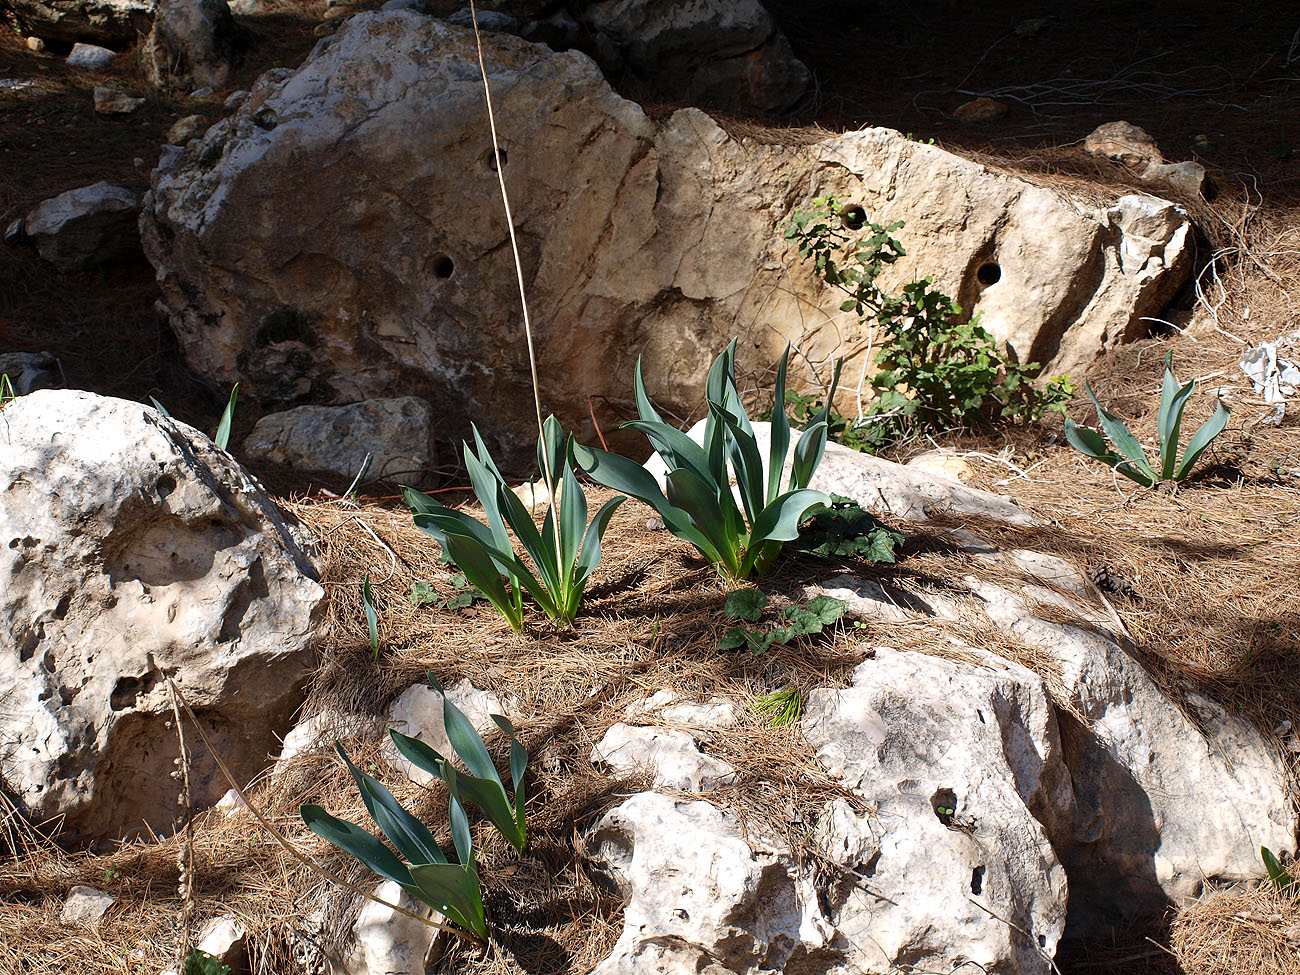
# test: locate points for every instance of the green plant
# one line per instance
(222, 437)
(201, 963)
(1283, 881)
(564, 552)
(482, 786)
(1133, 464)
(781, 708)
(423, 594)
(935, 370)
(372, 616)
(846, 528)
(449, 887)
(6, 389)
(698, 504)
(795, 620)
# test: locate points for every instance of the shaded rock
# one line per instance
(1167, 796)
(110, 102)
(131, 549)
(193, 42)
(1124, 143)
(981, 110)
(961, 762)
(725, 54)
(89, 57)
(92, 21)
(30, 371)
(186, 128)
(85, 906)
(1186, 178)
(396, 433)
(86, 227)
(235, 99)
(701, 898)
(224, 938)
(672, 757)
(659, 238)
(14, 231)
(418, 714)
(487, 20)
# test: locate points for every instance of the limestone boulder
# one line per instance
(388, 438)
(671, 756)
(193, 44)
(86, 227)
(341, 237)
(961, 773)
(112, 22)
(133, 550)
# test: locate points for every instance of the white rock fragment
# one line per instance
(85, 906)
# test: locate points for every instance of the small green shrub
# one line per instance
(201, 963)
(936, 371)
(847, 529)
(793, 621)
(1133, 464)
(781, 708)
(564, 553)
(423, 594)
(6, 389)
(222, 436)
(698, 504)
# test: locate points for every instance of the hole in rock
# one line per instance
(989, 273)
(442, 266)
(501, 158)
(977, 881)
(165, 486)
(944, 803)
(868, 869)
(853, 217)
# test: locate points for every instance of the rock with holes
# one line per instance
(132, 549)
(672, 758)
(946, 859)
(340, 237)
(703, 899)
(192, 43)
(112, 22)
(384, 438)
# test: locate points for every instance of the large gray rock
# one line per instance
(961, 769)
(396, 433)
(725, 54)
(341, 237)
(93, 21)
(131, 550)
(193, 43)
(30, 371)
(86, 227)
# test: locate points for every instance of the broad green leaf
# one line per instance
(1121, 436)
(1282, 880)
(779, 521)
(351, 838)
(827, 609)
(405, 832)
(590, 554)
(550, 452)
(746, 604)
(1089, 443)
(419, 753)
(676, 448)
(372, 617)
(1173, 400)
(454, 891)
(573, 522)
(1210, 429)
(222, 437)
(644, 408)
(694, 495)
(156, 405)
(474, 559)
(747, 462)
(808, 454)
(780, 428)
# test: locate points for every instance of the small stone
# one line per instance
(90, 57)
(324, 29)
(981, 110)
(203, 92)
(35, 44)
(236, 98)
(14, 231)
(1187, 178)
(1124, 143)
(185, 129)
(338, 13)
(110, 102)
(138, 162)
(85, 906)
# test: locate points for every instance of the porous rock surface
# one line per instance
(93, 21)
(340, 237)
(132, 549)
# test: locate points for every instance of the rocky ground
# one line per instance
(1100, 682)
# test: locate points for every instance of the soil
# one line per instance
(1213, 567)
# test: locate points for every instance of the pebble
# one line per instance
(110, 102)
(85, 906)
(35, 44)
(90, 57)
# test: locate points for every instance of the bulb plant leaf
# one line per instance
(1133, 463)
(697, 503)
(563, 553)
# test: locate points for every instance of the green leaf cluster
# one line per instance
(450, 887)
(222, 437)
(1133, 463)
(846, 528)
(793, 621)
(201, 963)
(564, 552)
(1282, 881)
(936, 370)
(466, 595)
(781, 708)
(698, 504)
